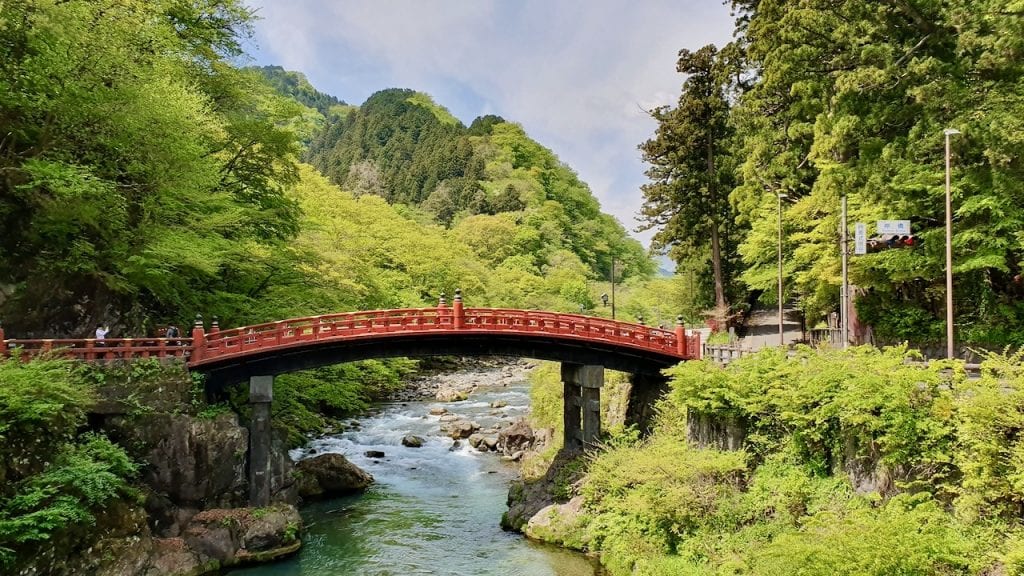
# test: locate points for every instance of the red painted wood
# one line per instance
(238, 342)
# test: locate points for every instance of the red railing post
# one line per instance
(90, 353)
(214, 325)
(3, 343)
(680, 337)
(198, 340)
(457, 309)
(442, 311)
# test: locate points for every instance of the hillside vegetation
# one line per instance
(854, 463)
(817, 99)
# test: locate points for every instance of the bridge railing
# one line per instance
(355, 325)
(204, 346)
(108, 349)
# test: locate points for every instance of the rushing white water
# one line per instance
(432, 510)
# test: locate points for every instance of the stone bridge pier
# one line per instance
(581, 404)
(261, 394)
(581, 385)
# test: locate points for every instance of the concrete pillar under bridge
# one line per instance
(581, 405)
(644, 392)
(261, 394)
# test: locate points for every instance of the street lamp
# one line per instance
(949, 251)
(782, 340)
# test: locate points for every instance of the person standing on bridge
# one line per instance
(172, 332)
(101, 334)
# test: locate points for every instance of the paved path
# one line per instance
(763, 328)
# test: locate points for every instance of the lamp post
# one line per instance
(782, 340)
(949, 251)
(613, 287)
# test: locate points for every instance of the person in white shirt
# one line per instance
(101, 333)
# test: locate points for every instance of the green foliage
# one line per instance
(142, 172)
(37, 396)
(81, 479)
(401, 145)
(52, 480)
(943, 450)
(901, 537)
(306, 402)
(691, 172)
(868, 122)
(295, 85)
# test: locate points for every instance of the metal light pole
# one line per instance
(782, 340)
(949, 251)
(613, 287)
(844, 308)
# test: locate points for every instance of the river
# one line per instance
(432, 510)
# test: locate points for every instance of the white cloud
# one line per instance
(576, 73)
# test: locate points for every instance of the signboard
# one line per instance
(901, 227)
(860, 238)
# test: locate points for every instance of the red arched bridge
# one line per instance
(277, 347)
(584, 345)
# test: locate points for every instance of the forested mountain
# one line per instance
(488, 178)
(295, 85)
(833, 98)
(140, 186)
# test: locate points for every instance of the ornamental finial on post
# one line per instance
(198, 340)
(441, 302)
(459, 318)
(680, 336)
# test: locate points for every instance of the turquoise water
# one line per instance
(432, 510)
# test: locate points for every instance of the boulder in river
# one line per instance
(411, 441)
(517, 437)
(451, 395)
(475, 440)
(460, 428)
(438, 411)
(499, 404)
(329, 475)
(374, 454)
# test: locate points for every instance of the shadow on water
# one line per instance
(432, 510)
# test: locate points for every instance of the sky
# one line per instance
(577, 74)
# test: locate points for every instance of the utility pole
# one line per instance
(613, 287)
(844, 307)
(782, 337)
(949, 251)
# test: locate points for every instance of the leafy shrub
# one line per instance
(954, 446)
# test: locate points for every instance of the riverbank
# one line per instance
(434, 508)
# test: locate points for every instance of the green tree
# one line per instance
(687, 199)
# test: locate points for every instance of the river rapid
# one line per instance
(433, 509)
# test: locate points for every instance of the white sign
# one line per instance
(860, 238)
(894, 227)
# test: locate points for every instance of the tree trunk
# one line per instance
(721, 307)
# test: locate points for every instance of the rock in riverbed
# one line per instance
(330, 475)
(411, 441)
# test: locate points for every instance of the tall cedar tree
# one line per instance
(688, 196)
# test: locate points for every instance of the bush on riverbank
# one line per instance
(310, 401)
(854, 463)
(546, 411)
(53, 481)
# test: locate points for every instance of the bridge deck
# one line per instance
(218, 347)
